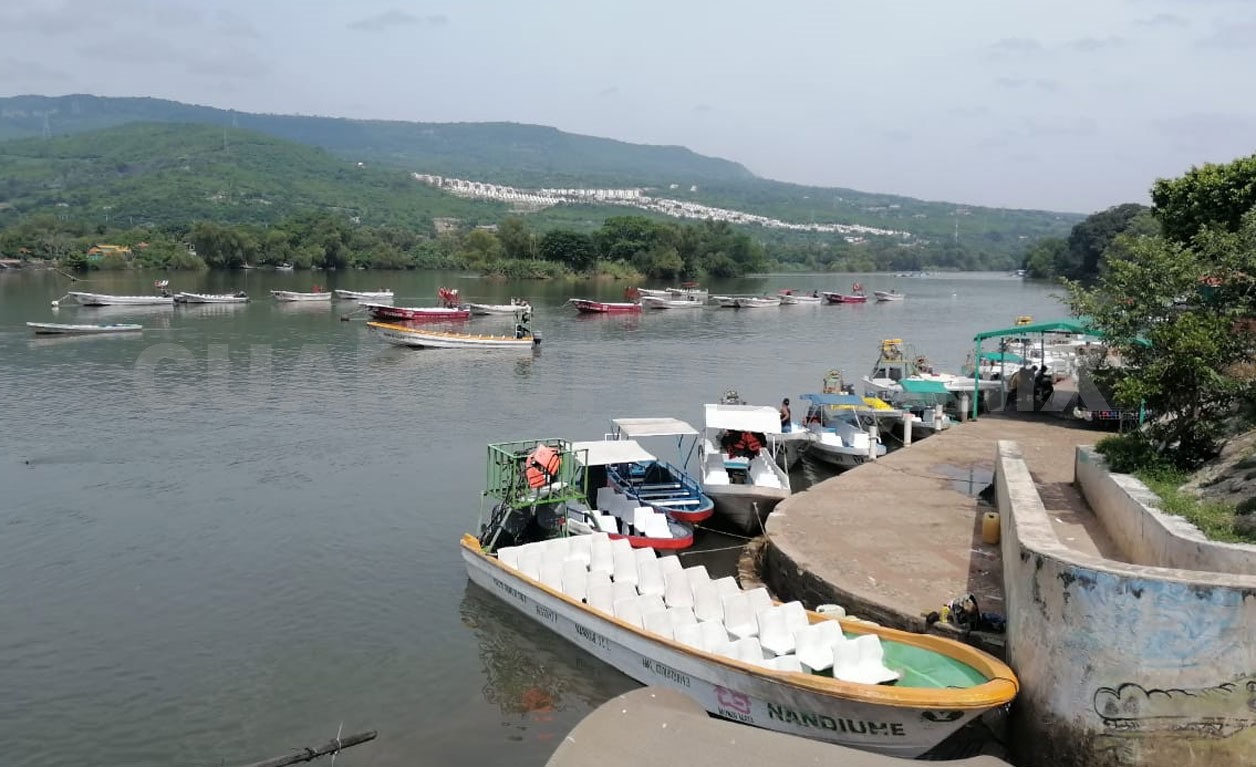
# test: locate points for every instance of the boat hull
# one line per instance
(845, 298)
(792, 300)
(659, 302)
(730, 689)
(292, 296)
(746, 506)
(586, 306)
(487, 309)
(363, 295)
(755, 303)
(840, 456)
(57, 329)
(413, 313)
(102, 299)
(399, 335)
(210, 298)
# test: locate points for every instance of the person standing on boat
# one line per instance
(786, 415)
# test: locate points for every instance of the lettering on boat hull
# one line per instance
(511, 590)
(547, 614)
(667, 672)
(839, 724)
(734, 705)
(592, 637)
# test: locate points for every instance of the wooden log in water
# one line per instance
(309, 754)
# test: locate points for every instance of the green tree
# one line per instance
(515, 238)
(1090, 238)
(564, 246)
(1210, 195)
(1047, 258)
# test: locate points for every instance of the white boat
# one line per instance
(211, 298)
(54, 328)
(888, 295)
(790, 297)
(420, 338)
(692, 292)
(755, 302)
(725, 302)
(845, 429)
(514, 306)
(284, 268)
(897, 371)
(104, 299)
(741, 655)
(739, 471)
(662, 302)
(292, 295)
(789, 446)
(363, 295)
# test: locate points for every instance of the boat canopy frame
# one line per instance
(640, 428)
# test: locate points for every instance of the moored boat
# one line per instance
(670, 302)
(104, 299)
(887, 295)
(239, 297)
(589, 306)
(411, 313)
(789, 446)
(383, 294)
(738, 653)
(845, 428)
(421, 338)
(56, 328)
(292, 295)
(855, 296)
(755, 302)
(790, 297)
(660, 485)
(897, 370)
(739, 471)
(515, 305)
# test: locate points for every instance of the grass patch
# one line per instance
(1218, 521)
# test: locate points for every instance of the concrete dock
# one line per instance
(654, 725)
(895, 539)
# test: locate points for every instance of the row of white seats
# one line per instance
(659, 595)
(646, 521)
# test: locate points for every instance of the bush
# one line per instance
(1133, 453)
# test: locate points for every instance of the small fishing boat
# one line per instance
(588, 306)
(239, 297)
(669, 302)
(419, 338)
(739, 471)
(888, 295)
(657, 484)
(382, 294)
(450, 308)
(284, 268)
(104, 299)
(741, 655)
(58, 329)
(292, 295)
(515, 305)
(789, 446)
(897, 370)
(789, 297)
(686, 291)
(855, 296)
(609, 510)
(842, 437)
(755, 302)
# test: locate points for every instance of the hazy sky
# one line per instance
(1069, 104)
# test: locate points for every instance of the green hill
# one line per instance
(167, 173)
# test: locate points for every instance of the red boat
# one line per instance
(588, 306)
(855, 296)
(450, 309)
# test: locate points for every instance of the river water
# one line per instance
(236, 533)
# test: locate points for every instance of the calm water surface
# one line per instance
(224, 538)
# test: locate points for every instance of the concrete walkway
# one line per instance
(896, 539)
(654, 725)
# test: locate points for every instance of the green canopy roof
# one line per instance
(913, 386)
(1076, 325)
(1002, 357)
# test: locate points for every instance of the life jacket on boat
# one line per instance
(541, 466)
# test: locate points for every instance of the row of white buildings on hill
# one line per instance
(637, 198)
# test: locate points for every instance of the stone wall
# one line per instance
(1120, 665)
(1146, 536)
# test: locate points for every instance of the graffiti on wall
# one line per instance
(1216, 712)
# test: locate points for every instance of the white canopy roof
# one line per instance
(653, 427)
(603, 452)
(760, 418)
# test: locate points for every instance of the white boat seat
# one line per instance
(773, 634)
(580, 550)
(530, 563)
(601, 557)
(509, 556)
(629, 611)
(645, 554)
(623, 591)
(552, 573)
(681, 617)
(619, 544)
(726, 585)
(607, 524)
(706, 602)
(862, 660)
(697, 574)
(606, 498)
(690, 635)
(669, 564)
(658, 623)
(739, 617)
(601, 598)
(814, 644)
(656, 526)
(651, 603)
(598, 579)
(759, 599)
(787, 663)
(717, 476)
(676, 591)
(795, 616)
(557, 548)
(575, 579)
(641, 519)
(650, 578)
(714, 636)
(599, 537)
(748, 649)
(625, 567)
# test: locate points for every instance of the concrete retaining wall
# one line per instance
(1129, 510)
(1120, 665)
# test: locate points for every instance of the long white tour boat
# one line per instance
(741, 655)
(55, 328)
(104, 299)
(422, 338)
(755, 302)
(515, 305)
(364, 295)
(739, 471)
(671, 302)
(292, 295)
(239, 297)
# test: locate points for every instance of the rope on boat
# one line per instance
(723, 532)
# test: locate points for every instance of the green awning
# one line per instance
(1080, 326)
(1002, 357)
(914, 386)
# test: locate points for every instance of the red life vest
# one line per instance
(541, 466)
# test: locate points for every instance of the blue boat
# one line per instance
(659, 484)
